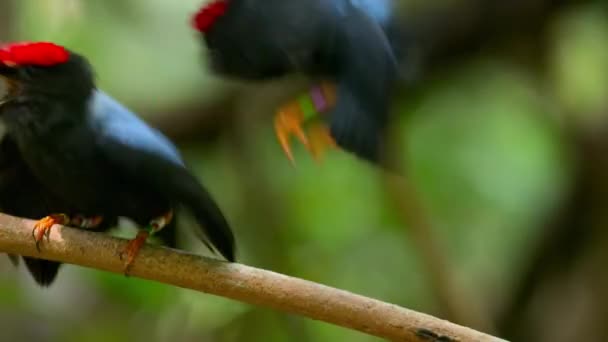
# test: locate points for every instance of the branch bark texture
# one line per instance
(235, 281)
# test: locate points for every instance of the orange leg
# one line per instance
(42, 228)
(291, 117)
(132, 249)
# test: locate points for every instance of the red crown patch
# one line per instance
(34, 54)
(204, 19)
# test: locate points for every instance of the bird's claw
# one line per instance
(291, 117)
(288, 122)
(317, 139)
(132, 249)
(42, 228)
(320, 140)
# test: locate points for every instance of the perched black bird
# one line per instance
(352, 44)
(21, 194)
(92, 153)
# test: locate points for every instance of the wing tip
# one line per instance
(217, 234)
(224, 243)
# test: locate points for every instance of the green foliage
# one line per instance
(482, 145)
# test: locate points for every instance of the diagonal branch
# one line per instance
(236, 281)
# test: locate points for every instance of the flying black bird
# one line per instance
(93, 153)
(351, 47)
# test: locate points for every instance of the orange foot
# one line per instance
(42, 228)
(320, 140)
(291, 117)
(132, 250)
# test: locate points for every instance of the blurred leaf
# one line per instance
(580, 61)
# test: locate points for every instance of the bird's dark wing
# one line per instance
(367, 72)
(138, 152)
(176, 183)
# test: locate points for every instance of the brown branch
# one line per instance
(236, 281)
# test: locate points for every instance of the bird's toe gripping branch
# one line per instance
(43, 227)
(132, 249)
(291, 117)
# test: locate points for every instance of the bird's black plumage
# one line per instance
(21, 194)
(355, 43)
(96, 155)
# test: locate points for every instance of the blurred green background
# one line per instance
(486, 141)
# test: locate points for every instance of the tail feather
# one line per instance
(215, 229)
(214, 225)
(44, 272)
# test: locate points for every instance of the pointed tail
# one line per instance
(216, 231)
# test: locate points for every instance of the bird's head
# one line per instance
(42, 69)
